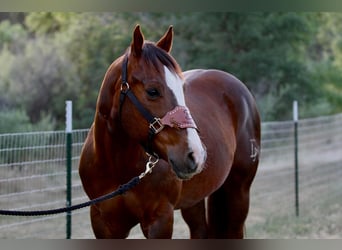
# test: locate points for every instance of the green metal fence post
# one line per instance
(295, 120)
(68, 131)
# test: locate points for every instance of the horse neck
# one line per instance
(121, 155)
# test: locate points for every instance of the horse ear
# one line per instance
(138, 41)
(165, 42)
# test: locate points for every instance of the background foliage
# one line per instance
(47, 58)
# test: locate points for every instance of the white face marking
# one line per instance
(175, 83)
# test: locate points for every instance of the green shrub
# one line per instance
(16, 120)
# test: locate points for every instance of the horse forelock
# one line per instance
(158, 57)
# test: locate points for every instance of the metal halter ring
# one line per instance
(153, 159)
(124, 87)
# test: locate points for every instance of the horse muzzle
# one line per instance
(185, 163)
(185, 169)
(188, 163)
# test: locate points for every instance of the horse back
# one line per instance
(218, 92)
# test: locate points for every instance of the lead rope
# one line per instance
(121, 190)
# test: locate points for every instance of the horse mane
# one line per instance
(152, 54)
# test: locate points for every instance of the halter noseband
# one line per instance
(179, 117)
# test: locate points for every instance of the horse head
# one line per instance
(149, 104)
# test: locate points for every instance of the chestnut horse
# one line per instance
(204, 127)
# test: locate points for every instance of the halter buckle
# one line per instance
(156, 126)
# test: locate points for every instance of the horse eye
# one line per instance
(153, 93)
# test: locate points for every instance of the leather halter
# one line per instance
(179, 117)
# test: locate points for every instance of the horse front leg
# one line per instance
(116, 225)
(195, 217)
(158, 224)
(228, 206)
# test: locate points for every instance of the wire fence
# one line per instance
(320, 175)
(33, 177)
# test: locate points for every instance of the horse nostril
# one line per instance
(191, 156)
(191, 160)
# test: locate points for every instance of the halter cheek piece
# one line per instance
(179, 117)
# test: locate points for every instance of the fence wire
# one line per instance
(33, 176)
(320, 174)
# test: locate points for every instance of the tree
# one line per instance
(267, 51)
(53, 56)
(39, 80)
(326, 54)
(42, 23)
